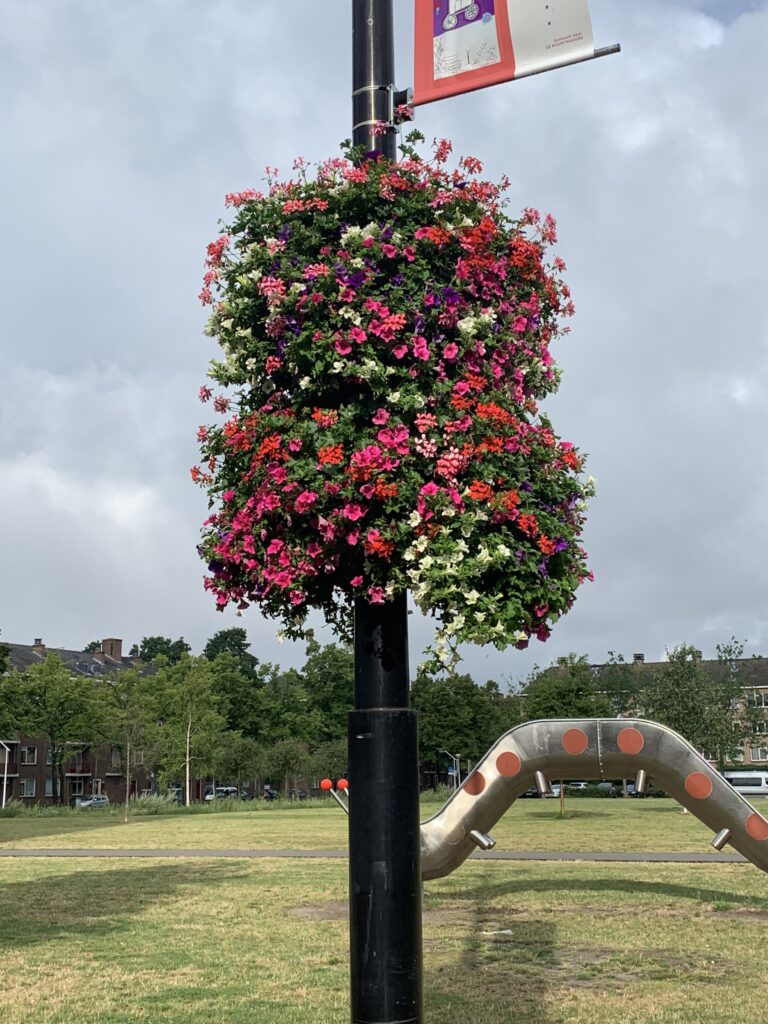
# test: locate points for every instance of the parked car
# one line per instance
(298, 794)
(609, 788)
(93, 803)
(578, 787)
(221, 793)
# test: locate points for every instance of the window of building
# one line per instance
(76, 787)
(27, 787)
(758, 753)
(28, 755)
(49, 757)
(49, 786)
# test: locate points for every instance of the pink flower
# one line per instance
(357, 334)
(380, 417)
(356, 581)
(376, 595)
(342, 346)
(399, 351)
(228, 495)
(353, 537)
(389, 250)
(450, 351)
(295, 444)
(354, 511)
(420, 348)
(368, 491)
(305, 501)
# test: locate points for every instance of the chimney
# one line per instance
(638, 659)
(38, 647)
(113, 648)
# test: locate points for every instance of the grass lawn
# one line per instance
(590, 825)
(203, 942)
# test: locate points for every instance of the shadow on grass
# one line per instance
(504, 973)
(94, 903)
(16, 830)
(629, 886)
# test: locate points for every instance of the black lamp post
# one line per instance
(384, 833)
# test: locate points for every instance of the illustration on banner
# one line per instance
(465, 36)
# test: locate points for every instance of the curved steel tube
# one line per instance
(587, 749)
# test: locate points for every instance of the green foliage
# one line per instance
(568, 689)
(239, 757)
(68, 711)
(329, 681)
(458, 715)
(5, 652)
(285, 760)
(190, 731)
(329, 760)
(154, 647)
(94, 645)
(695, 702)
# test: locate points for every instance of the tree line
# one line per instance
(225, 715)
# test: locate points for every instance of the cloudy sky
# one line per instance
(124, 125)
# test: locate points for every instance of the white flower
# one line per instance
(503, 550)
(466, 326)
(472, 597)
(353, 231)
(394, 396)
(414, 518)
(305, 382)
(338, 366)
(480, 616)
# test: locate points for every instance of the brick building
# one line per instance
(25, 763)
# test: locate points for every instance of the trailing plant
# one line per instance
(386, 332)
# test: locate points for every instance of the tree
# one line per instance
(65, 709)
(153, 647)
(232, 641)
(697, 702)
(458, 715)
(329, 759)
(287, 710)
(5, 653)
(567, 689)
(131, 715)
(620, 683)
(94, 645)
(239, 757)
(285, 760)
(328, 676)
(192, 726)
(241, 689)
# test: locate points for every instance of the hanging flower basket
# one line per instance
(386, 332)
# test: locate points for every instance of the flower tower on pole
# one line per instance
(386, 329)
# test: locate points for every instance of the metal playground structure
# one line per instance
(594, 749)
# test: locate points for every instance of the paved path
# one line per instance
(669, 858)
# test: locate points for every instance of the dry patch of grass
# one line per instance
(197, 942)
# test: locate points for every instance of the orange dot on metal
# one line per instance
(342, 784)
(326, 784)
(575, 741)
(756, 826)
(508, 765)
(630, 741)
(698, 785)
(475, 784)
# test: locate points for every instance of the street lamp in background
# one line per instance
(456, 770)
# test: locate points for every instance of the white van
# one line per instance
(748, 783)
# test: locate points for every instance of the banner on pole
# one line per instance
(463, 45)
